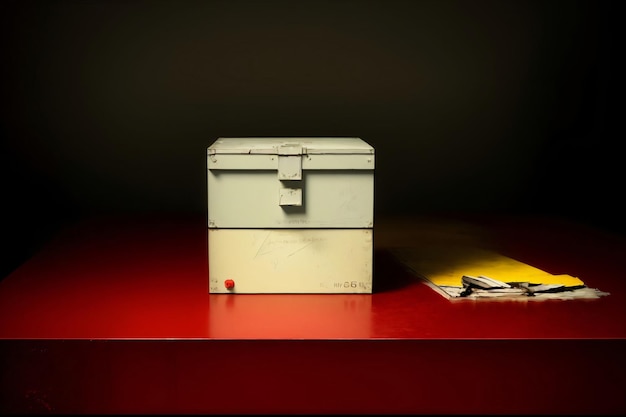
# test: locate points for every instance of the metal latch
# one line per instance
(290, 174)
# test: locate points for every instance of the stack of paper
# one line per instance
(462, 272)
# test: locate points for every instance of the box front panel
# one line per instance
(290, 260)
(321, 199)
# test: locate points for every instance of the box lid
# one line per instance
(276, 146)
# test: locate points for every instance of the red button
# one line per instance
(229, 284)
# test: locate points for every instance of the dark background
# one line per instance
(472, 106)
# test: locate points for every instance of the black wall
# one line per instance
(488, 106)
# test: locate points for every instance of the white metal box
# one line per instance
(290, 215)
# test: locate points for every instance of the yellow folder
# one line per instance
(445, 265)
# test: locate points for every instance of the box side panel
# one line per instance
(290, 260)
(251, 199)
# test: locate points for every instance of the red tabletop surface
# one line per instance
(145, 276)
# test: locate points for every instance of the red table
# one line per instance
(114, 316)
